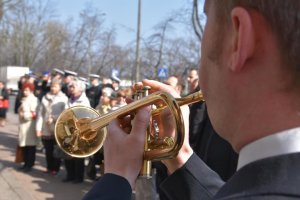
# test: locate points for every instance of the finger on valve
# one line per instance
(159, 86)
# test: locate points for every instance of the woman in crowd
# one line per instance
(121, 98)
(27, 121)
(75, 166)
(52, 104)
(4, 103)
(104, 105)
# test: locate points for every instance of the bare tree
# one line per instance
(24, 26)
(104, 56)
(7, 5)
(198, 29)
(31, 35)
(86, 39)
(157, 41)
(53, 52)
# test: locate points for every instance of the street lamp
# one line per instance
(137, 58)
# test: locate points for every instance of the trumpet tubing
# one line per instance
(80, 131)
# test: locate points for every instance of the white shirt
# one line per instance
(284, 142)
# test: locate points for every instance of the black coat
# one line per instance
(94, 93)
(110, 187)
(216, 152)
(65, 89)
(272, 178)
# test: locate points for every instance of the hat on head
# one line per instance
(69, 73)
(115, 79)
(30, 75)
(45, 73)
(58, 71)
(83, 80)
(94, 76)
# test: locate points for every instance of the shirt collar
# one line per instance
(284, 142)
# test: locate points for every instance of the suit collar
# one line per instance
(273, 176)
(284, 142)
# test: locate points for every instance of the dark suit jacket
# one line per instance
(213, 150)
(110, 187)
(271, 178)
(93, 94)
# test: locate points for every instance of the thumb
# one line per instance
(115, 133)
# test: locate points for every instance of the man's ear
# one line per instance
(243, 38)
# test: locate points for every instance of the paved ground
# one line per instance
(16, 185)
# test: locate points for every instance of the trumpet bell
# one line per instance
(73, 134)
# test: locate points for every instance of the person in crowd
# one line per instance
(94, 92)
(193, 79)
(42, 85)
(121, 98)
(106, 82)
(52, 105)
(175, 83)
(57, 74)
(19, 96)
(104, 105)
(255, 59)
(4, 103)
(113, 99)
(27, 122)
(69, 76)
(115, 83)
(85, 81)
(31, 78)
(75, 166)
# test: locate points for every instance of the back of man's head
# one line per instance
(282, 16)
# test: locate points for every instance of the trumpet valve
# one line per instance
(161, 143)
(85, 131)
(81, 128)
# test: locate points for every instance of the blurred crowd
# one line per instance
(40, 101)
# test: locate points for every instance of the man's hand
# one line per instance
(123, 153)
(186, 150)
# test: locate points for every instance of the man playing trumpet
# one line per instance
(249, 75)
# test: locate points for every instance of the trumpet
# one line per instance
(80, 131)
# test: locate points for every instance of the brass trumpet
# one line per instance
(80, 131)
